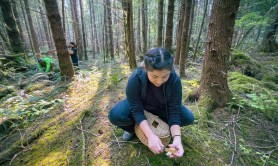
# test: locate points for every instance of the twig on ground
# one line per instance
(14, 158)
(21, 138)
(116, 139)
(133, 142)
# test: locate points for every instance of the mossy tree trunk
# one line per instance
(215, 66)
(169, 26)
(129, 32)
(59, 38)
(11, 27)
(185, 37)
(160, 22)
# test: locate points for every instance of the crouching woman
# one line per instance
(156, 88)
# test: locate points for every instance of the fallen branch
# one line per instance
(86, 131)
(83, 142)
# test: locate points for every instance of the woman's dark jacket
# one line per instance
(136, 92)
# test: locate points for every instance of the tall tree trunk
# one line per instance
(201, 30)
(105, 50)
(59, 38)
(185, 38)
(169, 28)
(92, 30)
(32, 29)
(77, 31)
(129, 32)
(139, 30)
(27, 28)
(144, 25)
(83, 31)
(180, 31)
(160, 23)
(18, 23)
(45, 27)
(110, 30)
(97, 43)
(11, 27)
(63, 16)
(215, 65)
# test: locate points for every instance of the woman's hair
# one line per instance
(73, 44)
(158, 59)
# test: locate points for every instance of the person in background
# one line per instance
(73, 53)
(156, 88)
(45, 64)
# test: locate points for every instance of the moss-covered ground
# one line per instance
(70, 125)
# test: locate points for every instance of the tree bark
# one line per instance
(110, 30)
(160, 23)
(144, 25)
(180, 31)
(59, 38)
(169, 28)
(129, 32)
(32, 29)
(11, 27)
(185, 38)
(215, 65)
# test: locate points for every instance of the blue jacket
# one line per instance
(136, 92)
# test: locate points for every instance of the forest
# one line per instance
(65, 63)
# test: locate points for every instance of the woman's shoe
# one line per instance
(127, 136)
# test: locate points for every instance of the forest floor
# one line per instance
(65, 123)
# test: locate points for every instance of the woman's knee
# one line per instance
(187, 116)
(120, 115)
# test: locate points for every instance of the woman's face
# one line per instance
(71, 45)
(158, 77)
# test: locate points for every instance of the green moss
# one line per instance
(33, 87)
(247, 65)
(273, 77)
(251, 93)
(206, 103)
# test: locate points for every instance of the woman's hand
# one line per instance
(155, 144)
(178, 146)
